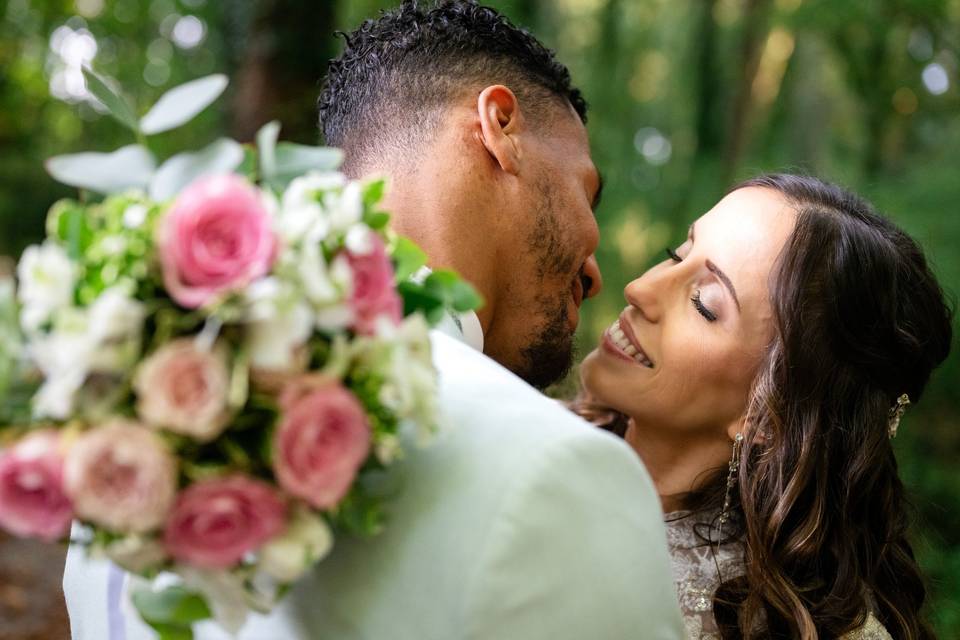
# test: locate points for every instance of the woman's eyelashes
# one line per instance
(709, 315)
(706, 313)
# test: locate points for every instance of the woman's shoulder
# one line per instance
(872, 629)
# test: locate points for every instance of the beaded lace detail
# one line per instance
(695, 577)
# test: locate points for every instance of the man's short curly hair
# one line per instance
(386, 91)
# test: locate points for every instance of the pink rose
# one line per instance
(184, 388)
(215, 238)
(32, 500)
(374, 294)
(121, 476)
(322, 440)
(216, 522)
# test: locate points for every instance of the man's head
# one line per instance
(484, 137)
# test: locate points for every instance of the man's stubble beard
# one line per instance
(549, 355)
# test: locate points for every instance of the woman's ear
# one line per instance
(500, 122)
(735, 427)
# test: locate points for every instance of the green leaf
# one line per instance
(248, 168)
(373, 192)
(267, 149)
(293, 160)
(69, 222)
(221, 156)
(104, 89)
(407, 257)
(180, 104)
(172, 631)
(173, 606)
(416, 297)
(463, 297)
(129, 167)
(376, 220)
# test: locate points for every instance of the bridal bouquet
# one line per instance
(210, 370)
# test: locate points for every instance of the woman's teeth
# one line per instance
(624, 344)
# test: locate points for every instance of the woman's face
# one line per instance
(685, 351)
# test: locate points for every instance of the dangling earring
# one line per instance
(731, 482)
(702, 603)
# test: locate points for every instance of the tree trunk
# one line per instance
(755, 29)
(284, 58)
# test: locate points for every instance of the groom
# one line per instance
(521, 522)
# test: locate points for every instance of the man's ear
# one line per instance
(500, 121)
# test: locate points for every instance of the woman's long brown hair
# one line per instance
(860, 319)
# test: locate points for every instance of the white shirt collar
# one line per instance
(471, 329)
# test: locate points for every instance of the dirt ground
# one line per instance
(31, 596)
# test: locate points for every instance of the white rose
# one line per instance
(47, 279)
(324, 284)
(224, 592)
(136, 553)
(273, 341)
(359, 240)
(56, 396)
(301, 215)
(411, 386)
(64, 357)
(134, 216)
(306, 540)
(115, 315)
(347, 209)
(388, 449)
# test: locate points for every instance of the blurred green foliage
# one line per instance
(687, 97)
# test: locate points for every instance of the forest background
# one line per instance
(687, 97)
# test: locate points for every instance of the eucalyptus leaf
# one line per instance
(126, 168)
(267, 149)
(173, 606)
(221, 156)
(180, 104)
(293, 160)
(103, 89)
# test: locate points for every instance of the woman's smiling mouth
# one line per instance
(619, 340)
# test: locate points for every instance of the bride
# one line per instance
(760, 372)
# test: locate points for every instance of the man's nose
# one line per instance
(593, 281)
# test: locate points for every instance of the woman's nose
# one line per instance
(645, 294)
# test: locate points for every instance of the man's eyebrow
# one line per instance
(725, 280)
(599, 194)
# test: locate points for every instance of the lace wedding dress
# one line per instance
(695, 578)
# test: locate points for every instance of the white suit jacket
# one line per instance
(520, 522)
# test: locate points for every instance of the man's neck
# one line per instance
(441, 222)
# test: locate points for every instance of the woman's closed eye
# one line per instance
(708, 315)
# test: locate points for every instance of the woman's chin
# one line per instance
(597, 380)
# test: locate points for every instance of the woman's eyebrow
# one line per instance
(718, 272)
(725, 280)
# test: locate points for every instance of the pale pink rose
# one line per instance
(321, 441)
(216, 238)
(32, 499)
(121, 476)
(216, 522)
(374, 293)
(184, 389)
